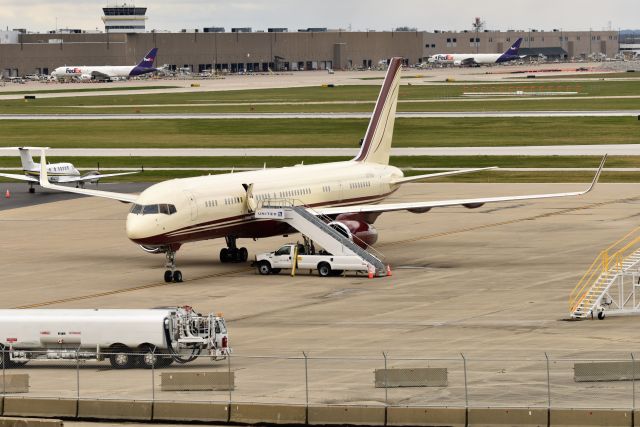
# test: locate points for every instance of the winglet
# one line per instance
(597, 175)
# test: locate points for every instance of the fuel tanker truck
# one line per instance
(128, 338)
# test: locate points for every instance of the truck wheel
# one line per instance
(264, 268)
(148, 358)
(337, 272)
(324, 269)
(121, 358)
(276, 270)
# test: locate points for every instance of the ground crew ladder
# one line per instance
(610, 283)
(313, 226)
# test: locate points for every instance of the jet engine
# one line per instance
(473, 205)
(86, 77)
(355, 229)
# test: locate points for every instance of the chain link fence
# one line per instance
(384, 380)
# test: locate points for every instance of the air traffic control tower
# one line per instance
(124, 19)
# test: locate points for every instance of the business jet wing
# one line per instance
(406, 179)
(44, 183)
(469, 203)
(20, 177)
(91, 177)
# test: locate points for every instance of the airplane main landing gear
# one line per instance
(31, 189)
(172, 275)
(231, 253)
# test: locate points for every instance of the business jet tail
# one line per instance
(376, 144)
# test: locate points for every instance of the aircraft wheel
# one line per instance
(32, 190)
(168, 276)
(264, 268)
(243, 255)
(224, 255)
(601, 315)
(177, 276)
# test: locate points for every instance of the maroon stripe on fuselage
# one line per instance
(242, 226)
(377, 112)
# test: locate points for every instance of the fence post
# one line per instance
(633, 383)
(466, 388)
(4, 362)
(386, 384)
(229, 377)
(153, 375)
(546, 356)
(306, 379)
(77, 376)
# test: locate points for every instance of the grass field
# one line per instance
(339, 97)
(318, 133)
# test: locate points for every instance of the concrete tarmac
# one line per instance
(492, 283)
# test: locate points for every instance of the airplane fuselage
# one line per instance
(54, 171)
(87, 73)
(215, 206)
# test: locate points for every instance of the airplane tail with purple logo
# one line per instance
(512, 52)
(149, 58)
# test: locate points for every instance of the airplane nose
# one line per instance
(139, 227)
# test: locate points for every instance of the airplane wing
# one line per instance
(91, 177)
(439, 175)
(44, 182)
(469, 203)
(98, 74)
(468, 61)
(20, 177)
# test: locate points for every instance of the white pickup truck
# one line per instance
(326, 264)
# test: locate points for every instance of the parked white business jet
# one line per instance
(107, 72)
(172, 213)
(469, 59)
(61, 173)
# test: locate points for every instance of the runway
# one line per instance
(542, 150)
(355, 115)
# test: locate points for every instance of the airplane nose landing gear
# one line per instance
(172, 275)
(231, 253)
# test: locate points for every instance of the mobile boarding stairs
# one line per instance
(316, 228)
(612, 282)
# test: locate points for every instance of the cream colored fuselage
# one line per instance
(214, 206)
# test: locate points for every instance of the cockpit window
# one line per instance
(163, 208)
(136, 209)
(150, 209)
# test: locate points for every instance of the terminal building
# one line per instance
(125, 41)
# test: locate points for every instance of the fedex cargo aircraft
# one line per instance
(471, 59)
(107, 72)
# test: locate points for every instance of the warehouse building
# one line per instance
(276, 49)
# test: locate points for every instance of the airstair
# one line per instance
(611, 282)
(316, 228)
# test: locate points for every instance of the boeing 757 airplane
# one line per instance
(477, 58)
(169, 214)
(62, 173)
(107, 72)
